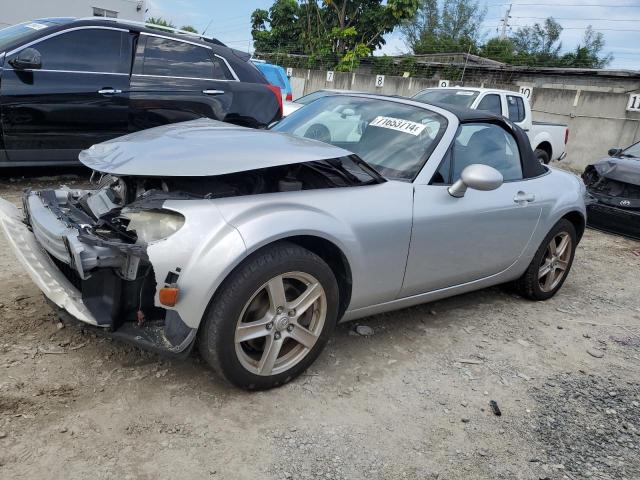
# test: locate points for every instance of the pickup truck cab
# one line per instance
(548, 140)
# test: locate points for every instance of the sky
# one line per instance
(618, 20)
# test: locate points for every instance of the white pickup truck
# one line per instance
(548, 140)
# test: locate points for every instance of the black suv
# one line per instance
(66, 84)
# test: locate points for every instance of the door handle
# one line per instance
(522, 197)
(109, 91)
(213, 92)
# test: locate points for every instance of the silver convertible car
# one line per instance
(253, 244)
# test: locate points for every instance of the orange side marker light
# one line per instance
(168, 296)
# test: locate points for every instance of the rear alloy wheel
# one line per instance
(555, 262)
(319, 132)
(551, 264)
(271, 318)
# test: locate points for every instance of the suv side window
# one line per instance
(491, 103)
(483, 143)
(87, 50)
(172, 58)
(516, 108)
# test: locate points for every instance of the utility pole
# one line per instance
(505, 23)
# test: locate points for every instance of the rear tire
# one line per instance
(551, 264)
(542, 156)
(271, 317)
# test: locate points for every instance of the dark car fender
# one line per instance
(252, 105)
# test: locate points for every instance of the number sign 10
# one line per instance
(527, 91)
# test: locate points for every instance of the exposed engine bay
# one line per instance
(127, 211)
(99, 238)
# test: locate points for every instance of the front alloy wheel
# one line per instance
(271, 317)
(280, 323)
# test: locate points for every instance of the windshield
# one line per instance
(313, 96)
(632, 151)
(455, 97)
(393, 138)
(9, 35)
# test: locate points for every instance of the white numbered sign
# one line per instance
(634, 102)
(329, 76)
(379, 80)
(289, 72)
(527, 91)
(443, 83)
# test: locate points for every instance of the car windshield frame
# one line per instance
(315, 96)
(632, 151)
(402, 138)
(469, 95)
(21, 31)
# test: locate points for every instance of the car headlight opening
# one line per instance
(153, 225)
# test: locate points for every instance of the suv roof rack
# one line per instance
(155, 26)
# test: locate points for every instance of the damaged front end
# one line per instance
(115, 256)
(98, 239)
(614, 190)
(141, 253)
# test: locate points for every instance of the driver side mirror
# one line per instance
(614, 152)
(477, 177)
(27, 59)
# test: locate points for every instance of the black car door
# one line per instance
(77, 98)
(177, 80)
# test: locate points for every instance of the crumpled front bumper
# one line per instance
(39, 265)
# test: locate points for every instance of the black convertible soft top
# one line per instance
(531, 166)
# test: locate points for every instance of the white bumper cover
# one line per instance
(39, 266)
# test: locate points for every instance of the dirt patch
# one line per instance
(15, 405)
(590, 425)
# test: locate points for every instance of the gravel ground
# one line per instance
(409, 401)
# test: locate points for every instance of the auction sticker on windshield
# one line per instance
(398, 124)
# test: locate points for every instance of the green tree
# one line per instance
(161, 22)
(331, 32)
(539, 45)
(189, 28)
(445, 27)
(502, 50)
(588, 54)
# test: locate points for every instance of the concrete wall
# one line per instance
(594, 108)
(12, 11)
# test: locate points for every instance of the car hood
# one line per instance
(202, 148)
(626, 170)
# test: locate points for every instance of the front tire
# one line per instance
(271, 317)
(551, 264)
